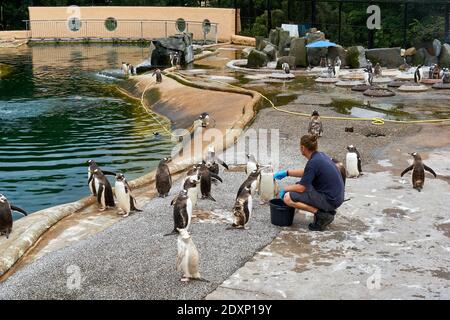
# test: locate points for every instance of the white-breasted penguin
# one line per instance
(337, 66)
(252, 164)
(205, 181)
(418, 174)
(105, 196)
(187, 257)
(315, 124)
(125, 68)
(6, 219)
(251, 182)
(286, 68)
(182, 211)
(163, 178)
(125, 199)
(368, 77)
(212, 161)
(418, 74)
(92, 165)
(242, 209)
(353, 162)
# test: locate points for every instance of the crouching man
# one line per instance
(321, 188)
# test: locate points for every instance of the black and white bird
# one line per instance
(315, 124)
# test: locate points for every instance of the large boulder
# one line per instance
(259, 44)
(356, 57)
(410, 52)
(164, 47)
(287, 59)
(314, 35)
(257, 59)
(437, 46)
(283, 43)
(315, 54)
(270, 51)
(386, 57)
(340, 52)
(418, 58)
(444, 58)
(274, 36)
(298, 50)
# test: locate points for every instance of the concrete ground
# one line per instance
(388, 242)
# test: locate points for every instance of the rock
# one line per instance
(270, 51)
(261, 42)
(386, 57)
(257, 59)
(288, 59)
(410, 52)
(298, 50)
(246, 51)
(340, 52)
(274, 36)
(181, 43)
(315, 54)
(437, 45)
(356, 57)
(283, 42)
(314, 35)
(419, 57)
(444, 58)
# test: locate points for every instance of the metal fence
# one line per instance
(104, 30)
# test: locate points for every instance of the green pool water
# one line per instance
(58, 108)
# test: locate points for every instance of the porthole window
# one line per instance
(74, 24)
(110, 24)
(206, 25)
(180, 24)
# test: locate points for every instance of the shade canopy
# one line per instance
(321, 44)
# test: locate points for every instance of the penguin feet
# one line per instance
(102, 209)
(184, 279)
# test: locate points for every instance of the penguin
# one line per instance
(315, 124)
(369, 66)
(205, 181)
(125, 199)
(430, 71)
(92, 165)
(418, 174)
(182, 211)
(242, 209)
(212, 161)
(125, 68)
(436, 72)
(252, 164)
(377, 70)
(353, 162)
(330, 71)
(267, 187)
(156, 136)
(163, 178)
(337, 66)
(204, 117)
(368, 77)
(418, 74)
(251, 182)
(6, 219)
(445, 75)
(158, 74)
(105, 195)
(285, 67)
(341, 168)
(187, 257)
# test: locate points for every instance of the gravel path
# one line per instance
(132, 259)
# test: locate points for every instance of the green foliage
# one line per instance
(353, 57)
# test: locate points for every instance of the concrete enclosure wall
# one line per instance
(132, 22)
(17, 34)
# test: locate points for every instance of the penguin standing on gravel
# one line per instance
(368, 76)
(205, 181)
(251, 182)
(182, 212)
(92, 165)
(125, 199)
(187, 257)
(242, 209)
(105, 196)
(163, 178)
(6, 219)
(315, 124)
(353, 162)
(212, 161)
(418, 174)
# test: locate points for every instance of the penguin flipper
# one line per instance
(406, 170)
(18, 210)
(215, 176)
(173, 200)
(211, 197)
(101, 189)
(222, 163)
(430, 170)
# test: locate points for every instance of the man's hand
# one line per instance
(280, 175)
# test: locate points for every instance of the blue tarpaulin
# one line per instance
(321, 44)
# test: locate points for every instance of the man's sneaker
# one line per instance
(321, 220)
